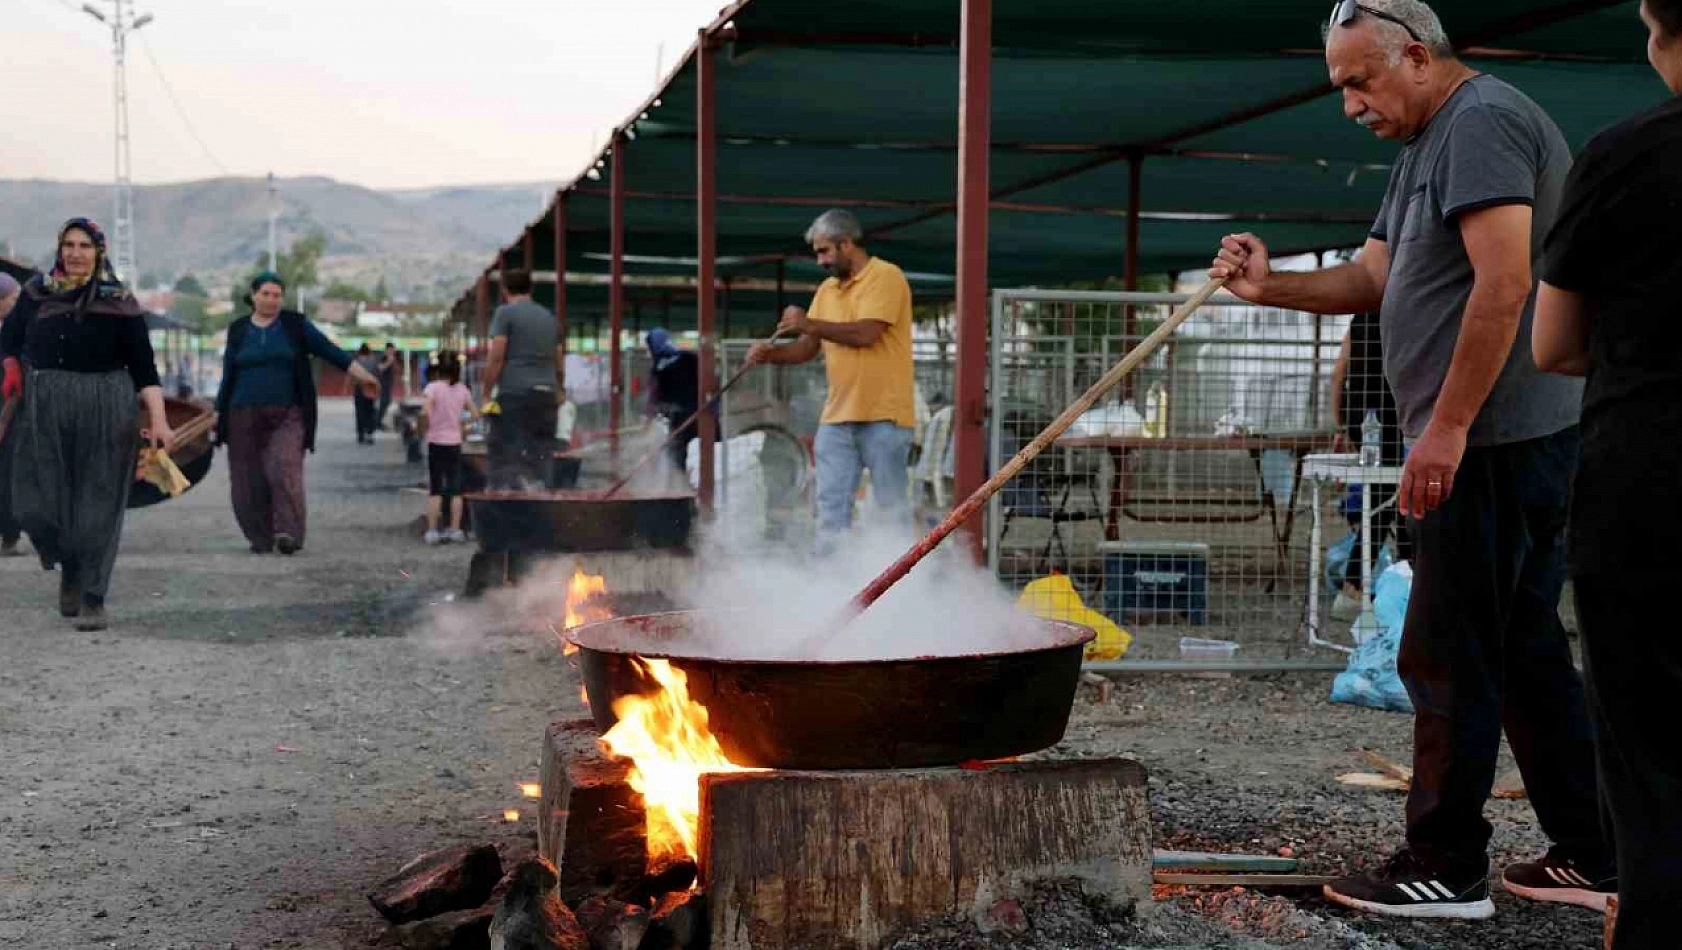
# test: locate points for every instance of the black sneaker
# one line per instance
(1558, 878)
(1408, 886)
(286, 544)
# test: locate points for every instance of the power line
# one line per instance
(146, 47)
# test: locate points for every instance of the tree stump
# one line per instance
(845, 860)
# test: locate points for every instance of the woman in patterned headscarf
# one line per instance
(76, 350)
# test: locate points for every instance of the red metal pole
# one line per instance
(1130, 316)
(616, 290)
(561, 268)
(706, 214)
(975, 108)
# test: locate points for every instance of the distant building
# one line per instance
(338, 312)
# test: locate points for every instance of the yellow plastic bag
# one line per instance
(1054, 598)
(490, 408)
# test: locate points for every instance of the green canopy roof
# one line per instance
(1225, 104)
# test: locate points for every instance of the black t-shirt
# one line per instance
(1616, 243)
(1364, 388)
(677, 387)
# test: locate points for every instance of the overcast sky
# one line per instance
(384, 93)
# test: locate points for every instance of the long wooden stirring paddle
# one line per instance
(672, 436)
(1134, 359)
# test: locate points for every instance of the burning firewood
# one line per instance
(532, 916)
(459, 878)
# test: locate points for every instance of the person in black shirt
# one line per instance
(674, 392)
(83, 338)
(1608, 311)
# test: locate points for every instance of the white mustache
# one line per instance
(1367, 120)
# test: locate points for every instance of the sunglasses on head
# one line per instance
(1347, 10)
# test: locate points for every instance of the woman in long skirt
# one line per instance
(76, 350)
(267, 413)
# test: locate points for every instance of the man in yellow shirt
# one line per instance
(860, 320)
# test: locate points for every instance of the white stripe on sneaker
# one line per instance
(1407, 889)
(1555, 875)
(1445, 892)
(1579, 878)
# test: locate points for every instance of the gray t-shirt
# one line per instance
(532, 337)
(1489, 145)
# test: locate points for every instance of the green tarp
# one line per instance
(856, 104)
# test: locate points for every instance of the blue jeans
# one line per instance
(844, 450)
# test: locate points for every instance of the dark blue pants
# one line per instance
(1483, 649)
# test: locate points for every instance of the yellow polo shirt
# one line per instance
(873, 384)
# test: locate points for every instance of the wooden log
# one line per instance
(1207, 862)
(532, 917)
(1242, 880)
(459, 878)
(590, 822)
(845, 860)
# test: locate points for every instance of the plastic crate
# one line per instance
(1149, 578)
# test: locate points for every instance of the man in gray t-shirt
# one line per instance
(1492, 444)
(524, 370)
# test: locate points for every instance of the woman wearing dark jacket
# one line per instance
(75, 348)
(267, 414)
(1607, 310)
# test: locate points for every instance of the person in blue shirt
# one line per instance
(267, 413)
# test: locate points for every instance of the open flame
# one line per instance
(665, 736)
(586, 596)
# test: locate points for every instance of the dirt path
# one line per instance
(258, 740)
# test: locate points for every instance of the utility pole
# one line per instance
(122, 22)
(274, 214)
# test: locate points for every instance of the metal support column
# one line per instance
(975, 104)
(1130, 318)
(616, 291)
(706, 272)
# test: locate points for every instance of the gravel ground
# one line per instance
(259, 740)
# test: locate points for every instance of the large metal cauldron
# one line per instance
(575, 521)
(856, 714)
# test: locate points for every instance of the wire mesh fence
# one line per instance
(1180, 507)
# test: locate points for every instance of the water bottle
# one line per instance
(1372, 440)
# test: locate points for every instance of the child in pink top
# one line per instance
(446, 398)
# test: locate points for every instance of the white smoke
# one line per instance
(786, 603)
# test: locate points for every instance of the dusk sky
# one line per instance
(383, 93)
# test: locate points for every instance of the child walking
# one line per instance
(445, 399)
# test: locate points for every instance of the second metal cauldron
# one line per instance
(559, 522)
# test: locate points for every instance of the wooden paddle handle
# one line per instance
(1134, 359)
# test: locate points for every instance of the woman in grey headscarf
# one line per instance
(10, 532)
(81, 336)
